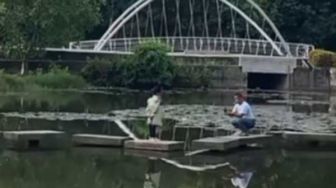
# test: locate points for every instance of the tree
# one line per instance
(307, 21)
(31, 25)
(2, 11)
(150, 65)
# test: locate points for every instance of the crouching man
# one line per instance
(244, 120)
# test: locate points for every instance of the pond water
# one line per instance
(95, 112)
(101, 168)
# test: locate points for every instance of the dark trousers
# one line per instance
(243, 124)
(153, 131)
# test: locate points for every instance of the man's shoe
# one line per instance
(237, 133)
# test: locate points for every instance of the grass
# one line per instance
(56, 78)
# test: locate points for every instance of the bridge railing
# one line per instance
(203, 45)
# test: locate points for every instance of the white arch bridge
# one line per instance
(235, 28)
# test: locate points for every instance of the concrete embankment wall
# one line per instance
(333, 79)
(225, 73)
(316, 80)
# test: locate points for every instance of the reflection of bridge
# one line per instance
(202, 28)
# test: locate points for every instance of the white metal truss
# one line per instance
(141, 4)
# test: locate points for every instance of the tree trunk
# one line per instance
(23, 67)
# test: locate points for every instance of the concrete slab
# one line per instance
(166, 146)
(194, 133)
(209, 132)
(228, 142)
(180, 133)
(305, 139)
(152, 154)
(42, 139)
(99, 140)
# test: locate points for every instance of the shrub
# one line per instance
(192, 77)
(57, 78)
(9, 82)
(106, 72)
(149, 66)
(323, 58)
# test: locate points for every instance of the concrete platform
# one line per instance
(228, 142)
(99, 140)
(42, 139)
(164, 146)
(152, 154)
(305, 139)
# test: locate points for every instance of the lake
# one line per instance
(95, 112)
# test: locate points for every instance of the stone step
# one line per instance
(225, 143)
(291, 139)
(37, 139)
(152, 154)
(165, 146)
(99, 140)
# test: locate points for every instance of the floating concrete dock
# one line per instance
(99, 140)
(153, 154)
(42, 139)
(305, 139)
(164, 146)
(229, 142)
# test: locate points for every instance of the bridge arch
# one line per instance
(281, 48)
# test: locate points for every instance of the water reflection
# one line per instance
(98, 168)
(242, 180)
(153, 175)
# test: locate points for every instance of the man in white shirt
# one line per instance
(154, 113)
(242, 112)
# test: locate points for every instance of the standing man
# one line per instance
(154, 113)
(244, 120)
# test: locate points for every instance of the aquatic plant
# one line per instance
(55, 78)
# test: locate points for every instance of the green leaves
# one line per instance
(307, 21)
(152, 66)
(148, 67)
(29, 26)
(323, 58)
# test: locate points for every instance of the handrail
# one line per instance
(216, 45)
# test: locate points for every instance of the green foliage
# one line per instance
(307, 21)
(140, 129)
(192, 77)
(106, 72)
(119, 73)
(57, 78)
(323, 58)
(150, 66)
(12, 83)
(33, 25)
(2, 11)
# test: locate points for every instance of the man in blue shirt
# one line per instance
(244, 119)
